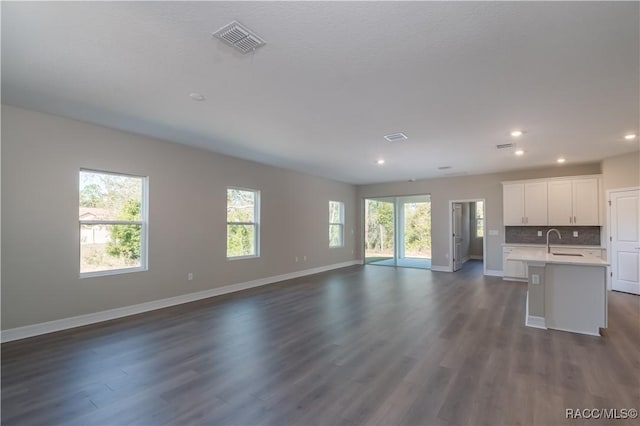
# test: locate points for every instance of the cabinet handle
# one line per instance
(575, 220)
(570, 219)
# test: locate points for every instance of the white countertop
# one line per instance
(535, 256)
(553, 246)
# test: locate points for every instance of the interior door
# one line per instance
(457, 236)
(625, 241)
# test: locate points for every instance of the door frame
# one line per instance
(484, 232)
(608, 237)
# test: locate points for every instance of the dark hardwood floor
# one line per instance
(363, 345)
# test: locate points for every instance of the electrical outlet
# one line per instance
(575, 233)
(297, 259)
(190, 276)
(539, 233)
(304, 258)
(535, 279)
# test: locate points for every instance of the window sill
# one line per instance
(255, 256)
(111, 272)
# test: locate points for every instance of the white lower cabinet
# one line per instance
(515, 270)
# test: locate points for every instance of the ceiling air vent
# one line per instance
(504, 145)
(396, 137)
(444, 167)
(242, 38)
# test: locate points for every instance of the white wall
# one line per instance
(621, 171)
(41, 157)
(486, 186)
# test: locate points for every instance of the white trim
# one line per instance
(81, 320)
(535, 322)
(106, 272)
(589, 333)
(514, 279)
(532, 320)
(493, 272)
(441, 268)
(553, 179)
(476, 257)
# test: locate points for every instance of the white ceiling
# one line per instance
(334, 78)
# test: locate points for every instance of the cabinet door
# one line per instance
(515, 269)
(513, 204)
(560, 203)
(535, 204)
(585, 202)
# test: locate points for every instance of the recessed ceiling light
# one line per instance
(380, 162)
(561, 160)
(197, 97)
(630, 136)
(519, 152)
(516, 133)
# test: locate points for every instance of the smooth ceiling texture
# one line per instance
(335, 77)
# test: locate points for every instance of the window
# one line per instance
(336, 224)
(243, 213)
(113, 223)
(479, 219)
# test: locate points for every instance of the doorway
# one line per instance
(398, 231)
(467, 225)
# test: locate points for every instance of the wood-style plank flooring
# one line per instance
(363, 345)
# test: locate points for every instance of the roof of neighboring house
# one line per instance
(93, 213)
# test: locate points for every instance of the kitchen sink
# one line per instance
(568, 254)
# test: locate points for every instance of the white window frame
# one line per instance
(476, 219)
(144, 225)
(340, 224)
(255, 224)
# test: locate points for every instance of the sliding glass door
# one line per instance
(379, 219)
(398, 231)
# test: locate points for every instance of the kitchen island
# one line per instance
(566, 291)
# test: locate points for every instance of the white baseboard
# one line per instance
(437, 268)
(587, 332)
(518, 280)
(465, 259)
(535, 322)
(80, 320)
(493, 272)
(476, 257)
(532, 320)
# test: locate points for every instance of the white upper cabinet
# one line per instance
(560, 203)
(574, 202)
(585, 202)
(513, 204)
(535, 203)
(525, 204)
(556, 202)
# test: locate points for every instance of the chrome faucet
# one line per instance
(548, 232)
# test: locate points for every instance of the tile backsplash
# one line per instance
(587, 235)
